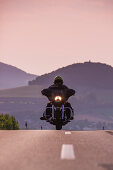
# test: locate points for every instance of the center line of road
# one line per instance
(67, 152)
(67, 133)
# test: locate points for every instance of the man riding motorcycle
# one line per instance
(58, 89)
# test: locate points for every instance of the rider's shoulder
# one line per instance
(64, 86)
(53, 85)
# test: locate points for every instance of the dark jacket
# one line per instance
(55, 89)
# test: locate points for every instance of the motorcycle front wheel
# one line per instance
(58, 126)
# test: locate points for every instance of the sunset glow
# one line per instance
(39, 36)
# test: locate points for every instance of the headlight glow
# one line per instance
(58, 98)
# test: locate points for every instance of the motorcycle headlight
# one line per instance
(58, 98)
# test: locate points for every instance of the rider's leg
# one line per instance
(68, 111)
(49, 110)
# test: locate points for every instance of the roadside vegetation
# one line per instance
(8, 122)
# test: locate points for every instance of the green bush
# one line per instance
(8, 122)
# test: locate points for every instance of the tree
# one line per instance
(8, 122)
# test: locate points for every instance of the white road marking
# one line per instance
(67, 133)
(67, 152)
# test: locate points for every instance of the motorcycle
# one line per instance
(58, 112)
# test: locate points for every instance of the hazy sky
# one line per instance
(39, 36)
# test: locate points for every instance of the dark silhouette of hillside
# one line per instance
(11, 76)
(86, 74)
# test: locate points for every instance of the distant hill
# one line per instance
(11, 76)
(88, 74)
(92, 103)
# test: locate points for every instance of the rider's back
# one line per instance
(58, 89)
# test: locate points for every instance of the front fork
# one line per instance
(53, 111)
(63, 116)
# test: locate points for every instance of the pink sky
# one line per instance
(39, 36)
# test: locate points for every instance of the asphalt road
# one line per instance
(56, 150)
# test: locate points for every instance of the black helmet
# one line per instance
(58, 80)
